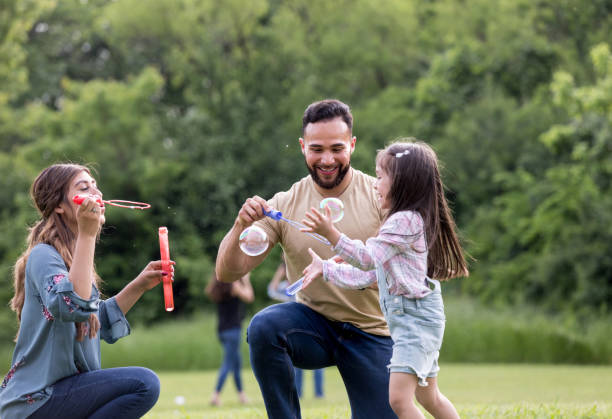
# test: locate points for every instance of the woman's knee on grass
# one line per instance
(149, 384)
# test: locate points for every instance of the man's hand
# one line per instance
(252, 210)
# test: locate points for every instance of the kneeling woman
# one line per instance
(55, 370)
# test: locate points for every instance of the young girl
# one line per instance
(55, 370)
(415, 247)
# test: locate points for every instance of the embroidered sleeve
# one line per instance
(47, 272)
(9, 375)
(347, 276)
(113, 324)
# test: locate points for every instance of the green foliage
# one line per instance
(559, 217)
(194, 105)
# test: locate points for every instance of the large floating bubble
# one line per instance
(336, 207)
(253, 241)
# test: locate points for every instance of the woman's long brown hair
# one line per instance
(48, 191)
(416, 185)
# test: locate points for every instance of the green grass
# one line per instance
(477, 390)
(526, 385)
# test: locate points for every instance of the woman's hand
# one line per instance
(152, 275)
(314, 270)
(90, 216)
(89, 327)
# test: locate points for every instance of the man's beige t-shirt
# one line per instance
(362, 219)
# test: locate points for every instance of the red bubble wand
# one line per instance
(78, 199)
(165, 259)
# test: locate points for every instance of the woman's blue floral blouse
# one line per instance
(47, 349)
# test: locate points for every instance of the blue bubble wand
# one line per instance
(277, 215)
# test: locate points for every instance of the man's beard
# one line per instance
(342, 171)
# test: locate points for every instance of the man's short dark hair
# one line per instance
(325, 110)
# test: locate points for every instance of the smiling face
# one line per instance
(383, 186)
(327, 147)
(81, 184)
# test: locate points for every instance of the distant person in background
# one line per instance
(230, 300)
(56, 370)
(276, 291)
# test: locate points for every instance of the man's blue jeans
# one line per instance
(230, 339)
(117, 393)
(283, 335)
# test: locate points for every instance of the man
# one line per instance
(327, 325)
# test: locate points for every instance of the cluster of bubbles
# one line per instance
(254, 241)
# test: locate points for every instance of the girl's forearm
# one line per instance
(127, 297)
(333, 236)
(347, 276)
(81, 271)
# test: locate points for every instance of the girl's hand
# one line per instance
(321, 224)
(318, 223)
(90, 216)
(152, 275)
(338, 259)
(314, 270)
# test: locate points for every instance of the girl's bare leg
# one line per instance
(435, 402)
(402, 388)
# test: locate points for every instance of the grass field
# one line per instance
(477, 390)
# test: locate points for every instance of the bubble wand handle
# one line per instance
(277, 215)
(295, 287)
(165, 259)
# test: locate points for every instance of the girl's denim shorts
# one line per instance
(417, 329)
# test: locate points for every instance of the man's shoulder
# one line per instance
(360, 176)
(363, 185)
(299, 187)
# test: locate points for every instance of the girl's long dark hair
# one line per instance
(416, 185)
(48, 192)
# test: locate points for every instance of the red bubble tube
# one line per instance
(165, 259)
(78, 199)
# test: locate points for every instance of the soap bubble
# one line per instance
(253, 241)
(180, 400)
(336, 207)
